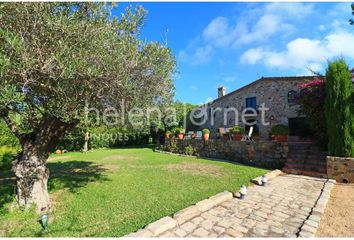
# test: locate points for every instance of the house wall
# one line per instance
(273, 93)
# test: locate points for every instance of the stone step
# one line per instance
(307, 168)
(306, 147)
(310, 161)
(304, 172)
(306, 156)
(299, 164)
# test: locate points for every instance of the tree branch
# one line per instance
(4, 114)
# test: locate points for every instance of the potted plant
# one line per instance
(168, 134)
(255, 135)
(194, 135)
(237, 132)
(205, 135)
(226, 136)
(180, 133)
(280, 132)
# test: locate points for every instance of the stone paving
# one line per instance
(277, 210)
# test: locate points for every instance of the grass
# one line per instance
(110, 193)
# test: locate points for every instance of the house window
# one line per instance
(292, 96)
(251, 102)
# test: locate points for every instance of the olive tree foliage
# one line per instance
(57, 58)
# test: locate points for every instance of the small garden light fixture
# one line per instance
(243, 192)
(264, 180)
(43, 220)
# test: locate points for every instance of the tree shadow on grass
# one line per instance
(74, 174)
(70, 175)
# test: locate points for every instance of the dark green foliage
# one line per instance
(311, 100)
(179, 130)
(206, 131)
(280, 129)
(7, 138)
(7, 154)
(237, 130)
(104, 137)
(339, 109)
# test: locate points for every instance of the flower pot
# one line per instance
(205, 136)
(194, 135)
(180, 136)
(281, 138)
(237, 137)
(226, 137)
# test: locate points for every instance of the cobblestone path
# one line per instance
(277, 210)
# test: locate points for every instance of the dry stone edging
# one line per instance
(310, 226)
(270, 175)
(166, 223)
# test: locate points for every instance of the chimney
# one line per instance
(221, 91)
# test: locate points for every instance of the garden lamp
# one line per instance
(43, 220)
(243, 192)
(264, 180)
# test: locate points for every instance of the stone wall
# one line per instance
(341, 169)
(273, 92)
(261, 154)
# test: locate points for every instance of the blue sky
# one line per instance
(233, 44)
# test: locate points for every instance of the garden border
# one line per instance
(312, 223)
(166, 223)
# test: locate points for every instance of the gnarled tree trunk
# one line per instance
(29, 166)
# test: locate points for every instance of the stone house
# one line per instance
(276, 93)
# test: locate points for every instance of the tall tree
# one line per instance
(339, 109)
(57, 58)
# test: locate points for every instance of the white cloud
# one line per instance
(230, 79)
(252, 56)
(303, 53)
(291, 10)
(200, 56)
(253, 25)
(321, 27)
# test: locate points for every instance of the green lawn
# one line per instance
(111, 193)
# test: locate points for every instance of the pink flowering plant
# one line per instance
(311, 100)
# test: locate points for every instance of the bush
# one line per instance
(339, 109)
(188, 150)
(7, 154)
(280, 129)
(205, 131)
(311, 100)
(179, 130)
(237, 130)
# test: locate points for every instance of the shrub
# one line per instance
(280, 129)
(237, 130)
(179, 130)
(7, 154)
(188, 150)
(339, 109)
(205, 131)
(311, 100)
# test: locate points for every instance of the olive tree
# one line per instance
(58, 58)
